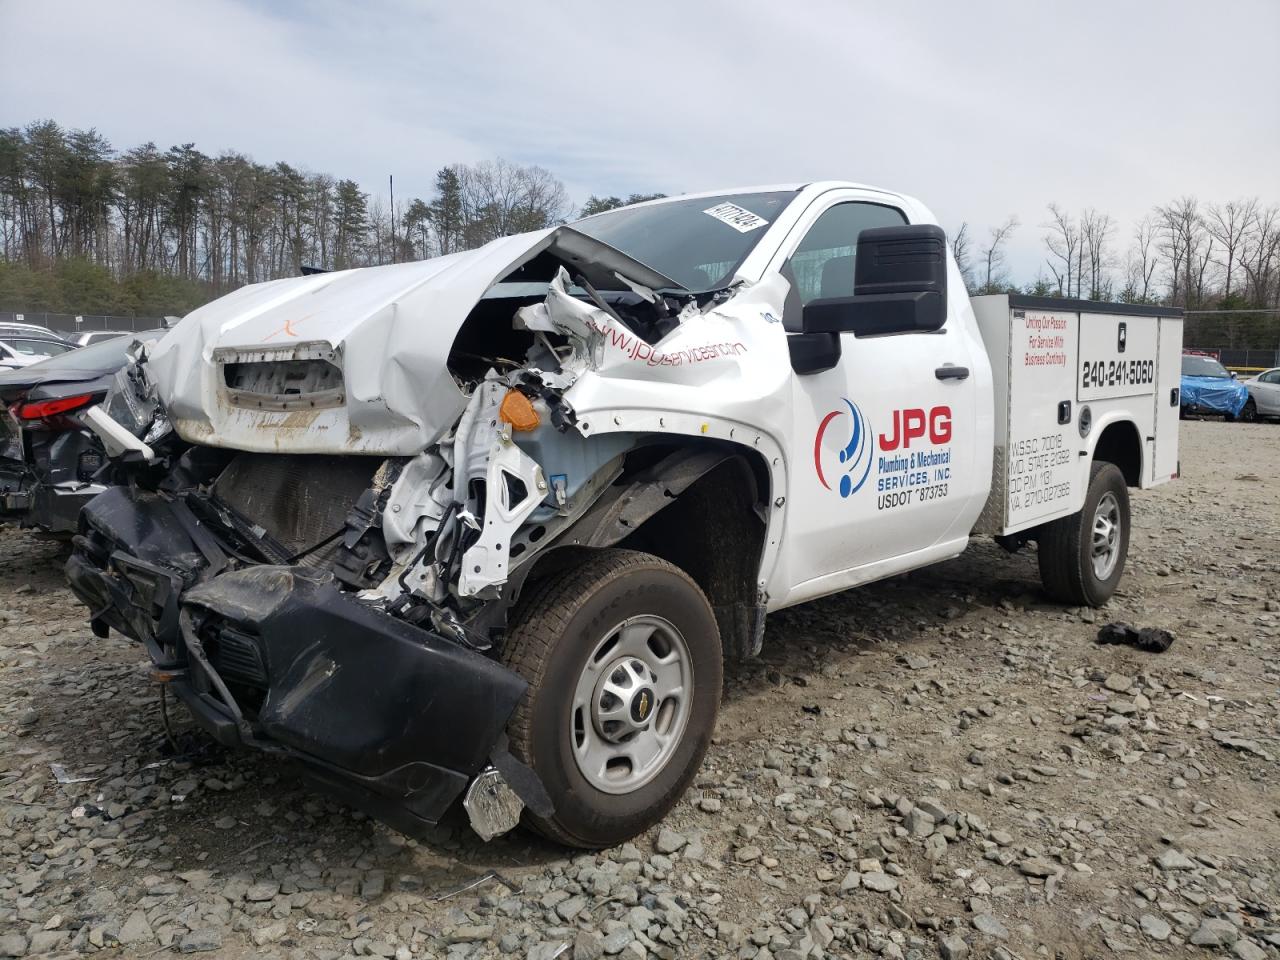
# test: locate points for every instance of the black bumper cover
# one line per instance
(393, 718)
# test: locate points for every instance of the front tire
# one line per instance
(1249, 412)
(1082, 556)
(623, 659)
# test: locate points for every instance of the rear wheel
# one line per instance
(1082, 556)
(622, 655)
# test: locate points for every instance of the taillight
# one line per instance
(44, 409)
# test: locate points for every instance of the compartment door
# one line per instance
(1168, 381)
(1042, 479)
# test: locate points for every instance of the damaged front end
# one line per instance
(319, 543)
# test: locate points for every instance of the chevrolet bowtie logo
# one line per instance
(643, 706)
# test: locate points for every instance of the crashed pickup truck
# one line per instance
(487, 526)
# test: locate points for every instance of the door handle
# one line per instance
(950, 372)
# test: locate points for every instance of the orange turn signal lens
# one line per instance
(518, 411)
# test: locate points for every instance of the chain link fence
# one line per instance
(1240, 359)
(81, 323)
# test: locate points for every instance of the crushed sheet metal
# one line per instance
(393, 327)
(419, 497)
(492, 806)
(485, 563)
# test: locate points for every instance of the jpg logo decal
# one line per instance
(853, 460)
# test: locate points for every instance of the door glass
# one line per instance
(823, 262)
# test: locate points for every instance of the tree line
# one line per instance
(87, 228)
(90, 229)
(1219, 258)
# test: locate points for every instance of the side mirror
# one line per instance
(900, 285)
(1234, 375)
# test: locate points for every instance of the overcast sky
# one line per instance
(981, 109)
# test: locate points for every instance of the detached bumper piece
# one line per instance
(392, 718)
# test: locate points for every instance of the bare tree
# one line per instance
(1188, 246)
(1095, 232)
(1063, 242)
(1259, 257)
(1229, 224)
(501, 198)
(993, 256)
(960, 249)
(1141, 264)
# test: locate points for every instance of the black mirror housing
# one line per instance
(900, 285)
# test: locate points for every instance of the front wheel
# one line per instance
(1082, 556)
(1249, 413)
(622, 655)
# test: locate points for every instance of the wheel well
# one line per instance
(714, 529)
(1121, 444)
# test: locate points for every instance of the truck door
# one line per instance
(884, 443)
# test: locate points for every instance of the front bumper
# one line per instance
(393, 718)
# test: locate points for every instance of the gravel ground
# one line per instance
(941, 765)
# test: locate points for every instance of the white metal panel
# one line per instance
(1117, 356)
(1168, 381)
(1042, 479)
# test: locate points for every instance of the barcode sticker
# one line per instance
(744, 221)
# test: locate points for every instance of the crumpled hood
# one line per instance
(388, 329)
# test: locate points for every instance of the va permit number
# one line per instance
(744, 221)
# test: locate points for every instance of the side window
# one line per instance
(823, 262)
(1272, 377)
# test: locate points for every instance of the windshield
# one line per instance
(38, 348)
(698, 243)
(1204, 367)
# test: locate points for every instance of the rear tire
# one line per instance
(1082, 556)
(592, 642)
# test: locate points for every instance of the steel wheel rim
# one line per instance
(631, 704)
(1104, 550)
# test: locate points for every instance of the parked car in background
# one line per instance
(1208, 387)
(49, 463)
(22, 350)
(1264, 395)
(97, 336)
(9, 329)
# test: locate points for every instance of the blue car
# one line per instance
(1207, 387)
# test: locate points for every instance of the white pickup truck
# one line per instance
(487, 525)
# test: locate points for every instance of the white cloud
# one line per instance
(980, 109)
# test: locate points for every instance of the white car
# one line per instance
(17, 350)
(97, 336)
(1264, 395)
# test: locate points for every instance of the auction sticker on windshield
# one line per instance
(741, 219)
